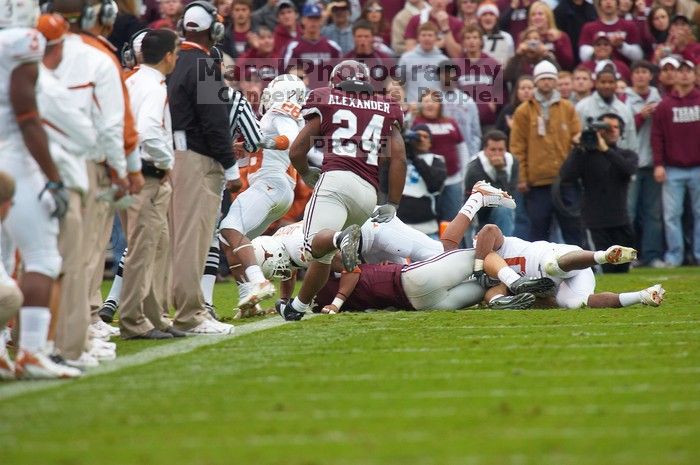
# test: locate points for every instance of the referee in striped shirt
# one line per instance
(202, 134)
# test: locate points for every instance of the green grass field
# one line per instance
(603, 387)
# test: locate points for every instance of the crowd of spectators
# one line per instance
(555, 67)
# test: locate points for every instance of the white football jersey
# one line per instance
(529, 257)
(292, 237)
(275, 162)
(17, 46)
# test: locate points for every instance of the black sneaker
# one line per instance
(286, 311)
(349, 244)
(539, 287)
(515, 302)
(106, 313)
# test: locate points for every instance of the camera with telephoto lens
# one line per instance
(589, 136)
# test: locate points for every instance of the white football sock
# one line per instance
(508, 276)
(478, 264)
(254, 274)
(299, 306)
(599, 257)
(207, 284)
(33, 328)
(630, 298)
(472, 205)
(116, 290)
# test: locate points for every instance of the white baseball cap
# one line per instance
(197, 19)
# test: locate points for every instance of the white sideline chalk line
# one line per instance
(188, 344)
(573, 325)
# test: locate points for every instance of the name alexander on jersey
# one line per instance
(369, 104)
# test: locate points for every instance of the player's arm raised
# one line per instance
(300, 148)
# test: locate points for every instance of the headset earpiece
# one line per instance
(108, 13)
(216, 30)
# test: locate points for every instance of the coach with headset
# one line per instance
(203, 160)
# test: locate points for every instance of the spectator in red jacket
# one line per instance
(530, 51)
(238, 32)
(449, 28)
(675, 142)
(623, 34)
(170, 13)
(603, 50)
(373, 12)
(260, 58)
(659, 23)
(541, 18)
(380, 64)
(668, 71)
(312, 47)
(681, 40)
(287, 29)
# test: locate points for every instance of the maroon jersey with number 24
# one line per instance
(354, 129)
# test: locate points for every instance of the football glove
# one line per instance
(311, 176)
(60, 198)
(384, 213)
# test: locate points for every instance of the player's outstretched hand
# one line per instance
(311, 176)
(330, 309)
(384, 213)
(60, 198)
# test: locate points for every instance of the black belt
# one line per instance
(149, 170)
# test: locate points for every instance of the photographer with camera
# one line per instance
(605, 171)
(425, 177)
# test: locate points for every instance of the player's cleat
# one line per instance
(485, 280)
(38, 366)
(349, 244)
(103, 354)
(514, 302)
(539, 287)
(618, 254)
(653, 296)
(254, 293)
(106, 313)
(7, 368)
(248, 312)
(286, 311)
(493, 196)
(211, 328)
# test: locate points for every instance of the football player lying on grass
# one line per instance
(568, 266)
(282, 254)
(443, 282)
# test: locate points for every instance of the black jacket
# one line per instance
(199, 106)
(570, 18)
(605, 177)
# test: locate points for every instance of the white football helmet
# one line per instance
(272, 257)
(285, 88)
(19, 13)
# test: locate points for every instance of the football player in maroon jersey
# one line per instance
(356, 131)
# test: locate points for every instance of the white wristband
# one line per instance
(338, 302)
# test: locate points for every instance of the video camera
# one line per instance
(589, 136)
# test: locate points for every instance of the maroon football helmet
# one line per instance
(352, 76)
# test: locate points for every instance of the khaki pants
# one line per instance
(97, 229)
(74, 311)
(10, 302)
(197, 184)
(144, 297)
